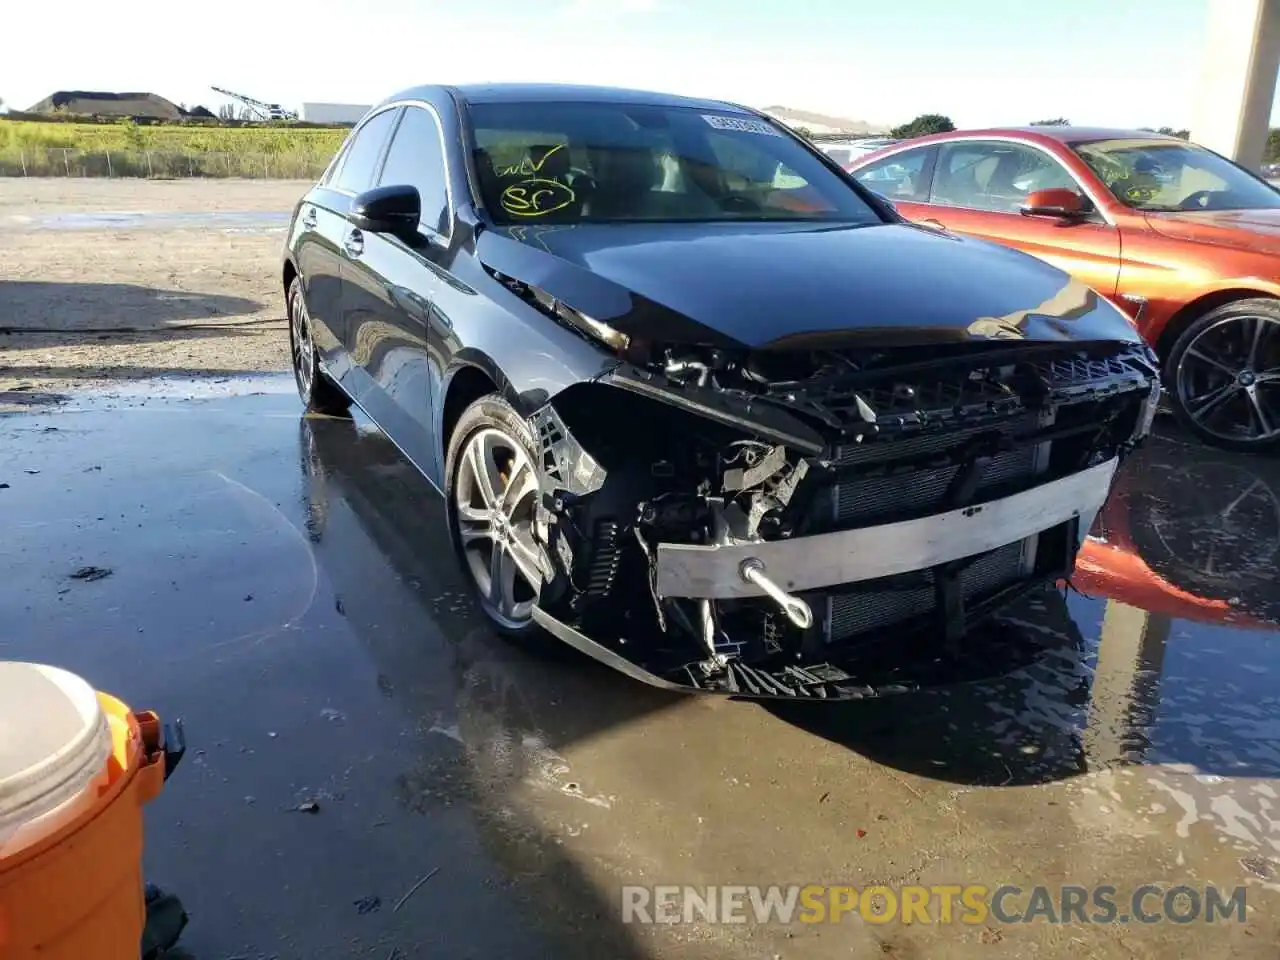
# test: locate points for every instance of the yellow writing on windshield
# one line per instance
(526, 167)
(536, 197)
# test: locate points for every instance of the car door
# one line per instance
(352, 172)
(317, 246)
(978, 187)
(390, 285)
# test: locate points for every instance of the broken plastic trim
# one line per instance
(754, 683)
(565, 463)
(761, 419)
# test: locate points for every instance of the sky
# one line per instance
(981, 62)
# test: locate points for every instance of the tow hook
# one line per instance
(796, 610)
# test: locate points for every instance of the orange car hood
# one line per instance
(1256, 230)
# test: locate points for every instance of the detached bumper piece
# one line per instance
(907, 664)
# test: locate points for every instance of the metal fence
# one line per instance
(159, 164)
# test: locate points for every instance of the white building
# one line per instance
(333, 112)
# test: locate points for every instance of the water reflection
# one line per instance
(1165, 649)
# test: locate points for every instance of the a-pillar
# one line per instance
(1237, 83)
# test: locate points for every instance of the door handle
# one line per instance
(354, 244)
(309, 219)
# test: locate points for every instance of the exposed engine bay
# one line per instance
(754, 525)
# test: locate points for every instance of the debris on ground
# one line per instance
(368, 905)
(414, 889)
(4, 486)
(88, 574)
(1260, 867)
(307, 806)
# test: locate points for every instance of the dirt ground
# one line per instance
(102, 280)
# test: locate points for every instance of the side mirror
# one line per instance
(1054, 202)
(394, 209)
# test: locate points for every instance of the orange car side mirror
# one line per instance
(1054, 202)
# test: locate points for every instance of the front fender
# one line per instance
(530, 356)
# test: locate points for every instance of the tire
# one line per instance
(1222, 376)
(319, 393)
(492, 433)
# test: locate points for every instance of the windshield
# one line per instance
(1157, 175)
(627, 163)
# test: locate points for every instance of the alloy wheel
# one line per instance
(1228, 379)
(303, 349)
(495, 498)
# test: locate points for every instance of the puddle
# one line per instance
(287, 585)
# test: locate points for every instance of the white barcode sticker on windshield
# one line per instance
(741, 124)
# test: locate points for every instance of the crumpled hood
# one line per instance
(1254, 230)
(757, 285)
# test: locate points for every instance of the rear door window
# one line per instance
(902, 176)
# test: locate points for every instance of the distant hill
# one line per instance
(821, 122)
(99, 104)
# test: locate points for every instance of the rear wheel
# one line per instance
(1223, 376)
(493, 481)
(317, 391)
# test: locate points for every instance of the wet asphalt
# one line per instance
(283, 585)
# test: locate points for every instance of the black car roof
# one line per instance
(551, 92)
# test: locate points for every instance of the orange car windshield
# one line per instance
(1165, 176)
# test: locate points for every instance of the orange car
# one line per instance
(1185, 241)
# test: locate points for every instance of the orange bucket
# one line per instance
(76, 768)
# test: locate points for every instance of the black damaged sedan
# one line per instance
(699, 404)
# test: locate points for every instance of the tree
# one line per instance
(1273, 145)
(1055, 122)
(923, 125)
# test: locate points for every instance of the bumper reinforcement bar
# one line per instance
(868, 553)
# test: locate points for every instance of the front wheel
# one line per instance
(1223, 376)
(317, 391)
(492, 487)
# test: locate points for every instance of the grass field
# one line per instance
(33, 148)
